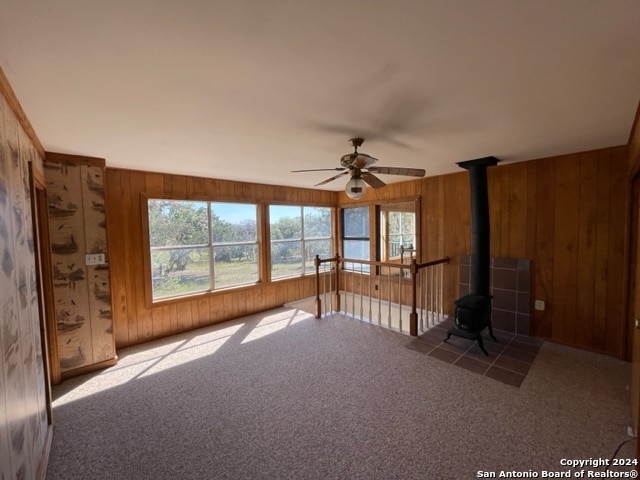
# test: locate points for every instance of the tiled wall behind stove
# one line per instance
(511, 290)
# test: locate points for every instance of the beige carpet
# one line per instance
(283, 395)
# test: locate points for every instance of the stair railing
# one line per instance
(380, 293)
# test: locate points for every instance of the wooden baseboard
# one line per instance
(89, 368)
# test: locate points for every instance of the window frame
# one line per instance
(384, 210)
(303, 240)
(375, 227)
(210, 246)
(344, 237)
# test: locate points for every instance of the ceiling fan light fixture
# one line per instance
(355, 188)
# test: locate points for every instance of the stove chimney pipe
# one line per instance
(480, 225)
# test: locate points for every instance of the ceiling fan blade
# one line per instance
(363, 161)
(410, 172)
(372, 180)
(318, 170)
(357, 160)
(331, 179)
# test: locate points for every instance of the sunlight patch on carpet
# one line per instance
(275, 323)
(142, 361)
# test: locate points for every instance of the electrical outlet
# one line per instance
(94, 259)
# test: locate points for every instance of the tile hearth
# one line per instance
(508, 361)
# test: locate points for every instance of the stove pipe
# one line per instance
(480, 226)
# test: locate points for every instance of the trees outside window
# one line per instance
(297, 235)
(235, 244)
(397, 231)
(201, 246)
(355, 235)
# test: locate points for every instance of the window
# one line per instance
(397, 232)
(298, 234)
(201, 246)
(355, 234)
(393, 237)
(235, 244)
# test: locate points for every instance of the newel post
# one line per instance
(318, 304)
(413, 316)
(337, 294)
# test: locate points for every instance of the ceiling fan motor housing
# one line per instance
(356, 142)
(347, 160)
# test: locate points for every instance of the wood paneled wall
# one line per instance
(134, 321)
(634, 145)
(567, 214)
(633, 299)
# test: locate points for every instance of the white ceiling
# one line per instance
(251, 89)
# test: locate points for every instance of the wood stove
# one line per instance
(472, 316)
(473, 311)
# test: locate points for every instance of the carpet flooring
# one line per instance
(282, 395)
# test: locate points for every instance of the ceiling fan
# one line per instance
(361, 169)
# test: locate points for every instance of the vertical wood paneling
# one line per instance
(632, 346)
(634, 152)
(174, 325)
(499, 209)
(587, 235)
(143, 317)
(603, 217)
(618, 200)
(196, 185)
(203, 312)
(161, 318)
(135, 321)
(154, 183)
(228, 305)
(495, 178)
(184, 313)
(130, 254)
(179, 186)
(457, 240)
(566, 248)
(429, 215)
(531, 204)
(116, 198)
(566, 214)
(518, 219)
(440, 233)
(543, 256)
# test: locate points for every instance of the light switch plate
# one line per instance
(94, 259)
(539, 305)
